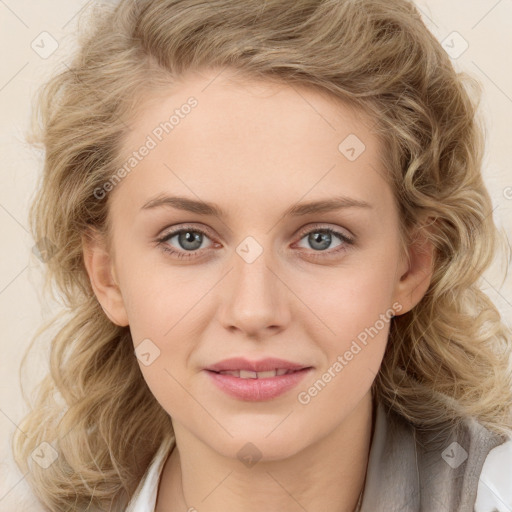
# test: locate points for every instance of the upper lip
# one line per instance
(262, 365)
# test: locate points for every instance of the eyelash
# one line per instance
(192, 254)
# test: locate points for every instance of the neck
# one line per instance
(328, 475)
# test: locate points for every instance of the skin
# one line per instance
(255, 149)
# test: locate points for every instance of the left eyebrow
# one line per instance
(297, 210)
(325, 205)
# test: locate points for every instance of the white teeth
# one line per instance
(247, 374)
(268, 373)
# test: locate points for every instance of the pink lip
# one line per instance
(256, 389)
(269, 363)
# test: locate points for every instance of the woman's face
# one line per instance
(257, 276)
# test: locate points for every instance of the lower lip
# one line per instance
(256, 390)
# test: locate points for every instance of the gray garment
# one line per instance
(413, 471)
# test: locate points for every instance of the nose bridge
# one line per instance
(256, 299)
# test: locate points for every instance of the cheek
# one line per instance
(155, 296)
(161, 307)
(158, 326)
(355, 311)
(350, 299)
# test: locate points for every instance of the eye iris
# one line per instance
(190, 237)
(325, 240)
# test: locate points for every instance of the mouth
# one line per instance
(268, 374)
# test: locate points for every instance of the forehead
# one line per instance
(223, 99)
(253, 139)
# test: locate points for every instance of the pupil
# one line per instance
(189, 237)
(319, 238)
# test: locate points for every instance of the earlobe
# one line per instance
(416, 272)
(100, 269)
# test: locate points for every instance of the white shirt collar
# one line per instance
(144, 498)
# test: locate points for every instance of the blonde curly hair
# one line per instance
(446, 360)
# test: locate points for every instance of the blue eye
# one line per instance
(322, 242)
(191, 239)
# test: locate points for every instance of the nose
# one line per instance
(254, 299)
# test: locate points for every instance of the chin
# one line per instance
(265, 444)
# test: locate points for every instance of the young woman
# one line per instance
(268, 222)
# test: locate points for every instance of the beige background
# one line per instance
(484, 24)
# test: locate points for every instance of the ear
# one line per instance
(100, 268)
(415, 270)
